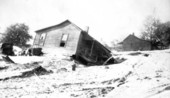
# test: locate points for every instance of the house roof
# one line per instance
(62, 23)
(97, 42)
(67, 21)
(132, 36)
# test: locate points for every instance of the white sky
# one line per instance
(108, 19)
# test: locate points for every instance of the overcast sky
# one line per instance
(108, 19)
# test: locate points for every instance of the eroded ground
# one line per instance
(139, 76)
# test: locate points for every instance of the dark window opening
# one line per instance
(42, 39)
(63, 40)
(62, 44)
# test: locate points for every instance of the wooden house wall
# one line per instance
(144, 45)
(135, 44)
(54, 35)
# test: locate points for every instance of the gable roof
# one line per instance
(62, 23)
(132, 36)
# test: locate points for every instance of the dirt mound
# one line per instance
(37, 71)
(2, 68)
(57, 65)
(138, 53)
(34, 72)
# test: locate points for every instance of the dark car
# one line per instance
(7, 49)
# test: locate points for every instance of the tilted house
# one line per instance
(69, 39)
(133, 43)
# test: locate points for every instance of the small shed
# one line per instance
(69, 39)
(133, 43)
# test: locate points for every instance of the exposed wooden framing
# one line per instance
(91, 51)
(108, 60)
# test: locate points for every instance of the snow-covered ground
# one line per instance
(142, 75)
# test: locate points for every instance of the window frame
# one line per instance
(42, 41)
(65, 40)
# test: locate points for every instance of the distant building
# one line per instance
(67, 38)
(133, 43)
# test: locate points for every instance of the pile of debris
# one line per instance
(27, 73)
(33, 52)
(36, 71)
(10, 49)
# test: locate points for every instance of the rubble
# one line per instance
(28, 73)
(148, 77)
(36, 71)
(138, 53)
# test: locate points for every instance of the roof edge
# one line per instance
(133, 36)
(58, 25)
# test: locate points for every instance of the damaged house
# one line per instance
(68, 39)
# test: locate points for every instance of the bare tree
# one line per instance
(148, 33)
(156, 32)
(150, 25)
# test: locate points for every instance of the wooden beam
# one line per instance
(91, 51)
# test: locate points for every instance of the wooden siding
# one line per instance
(132, 43)
(54, 35)
(79, 43)
(92, 49)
